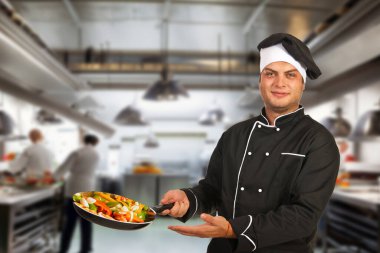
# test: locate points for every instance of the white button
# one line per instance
(278, 129)
(260, 190)
(259, 126)
(249, 153)
(267, 154)
(242, 188)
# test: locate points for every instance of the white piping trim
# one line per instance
(274, 122)
(196, 203)
(293, 154)
(249, 239)
(241, 165)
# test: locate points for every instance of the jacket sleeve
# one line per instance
(309, 196)
(205, 195)
(20, 163)
(65, 166)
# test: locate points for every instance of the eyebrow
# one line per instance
(277, 71)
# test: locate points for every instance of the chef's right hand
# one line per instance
(180, 200)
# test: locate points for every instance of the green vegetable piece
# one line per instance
(112, 204)
(92, 207)
(97, 197)
(142, 215)
(77, 198)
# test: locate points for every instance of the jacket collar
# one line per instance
(283, 119)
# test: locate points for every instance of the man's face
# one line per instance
(281, 87)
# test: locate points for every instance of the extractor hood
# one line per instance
(29, 71)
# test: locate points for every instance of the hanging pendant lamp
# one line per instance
(165, 88)
(212, 116)
(131, 116)
(46, 117)
(151, 141)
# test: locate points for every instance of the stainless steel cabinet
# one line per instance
(29, 221)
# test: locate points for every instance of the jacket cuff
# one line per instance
(193, 207)
(245, 233)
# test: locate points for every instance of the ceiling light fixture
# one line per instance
(151, 141)
(165, 88)
(46, 117)
(131, 116)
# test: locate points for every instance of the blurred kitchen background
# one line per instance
(70, 67)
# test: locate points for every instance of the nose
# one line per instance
(280, 81)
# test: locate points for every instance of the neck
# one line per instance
(271, 114)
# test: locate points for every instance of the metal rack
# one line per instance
(31, 224)
(351, 228)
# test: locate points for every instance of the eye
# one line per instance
(268, 73)
(291, 74)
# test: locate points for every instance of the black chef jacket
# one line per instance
(271, 182)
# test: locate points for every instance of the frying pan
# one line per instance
(121, 225)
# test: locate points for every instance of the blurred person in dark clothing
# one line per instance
(80, 166)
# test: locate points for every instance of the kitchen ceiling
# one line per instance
(202, 26)
(296, 17)
(196, 25)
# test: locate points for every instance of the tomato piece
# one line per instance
(103, 207)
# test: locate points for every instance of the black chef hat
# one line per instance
(296, 48)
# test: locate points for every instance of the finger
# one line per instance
(183, 208)
(208, 218)
(175, 209)
(165, 212)
(197, 231)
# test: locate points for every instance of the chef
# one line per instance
(35, 162)
(269, 177)
(80, 166)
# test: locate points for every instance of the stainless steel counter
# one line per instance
(360, 195)
(29, 218)
(352, 219)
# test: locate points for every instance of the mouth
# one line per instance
(279, 94)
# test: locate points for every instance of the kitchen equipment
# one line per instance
(6, 123)
(339, 127)
(121, 225)
(368, 124)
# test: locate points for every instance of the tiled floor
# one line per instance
(154, 238)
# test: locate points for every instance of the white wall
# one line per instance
(60, 139)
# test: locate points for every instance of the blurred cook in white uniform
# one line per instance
(36, 161)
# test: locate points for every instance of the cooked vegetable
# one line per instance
(112, 206)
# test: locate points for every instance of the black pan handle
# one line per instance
(160, 208)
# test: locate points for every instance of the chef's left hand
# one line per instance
(213, 227)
